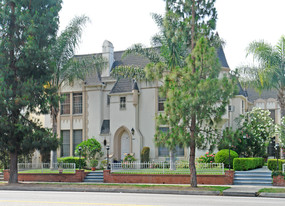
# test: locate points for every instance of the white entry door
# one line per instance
(125, 145)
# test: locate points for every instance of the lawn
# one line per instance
(45, 171)
(272, 190)
(135, 186)
(167, 171)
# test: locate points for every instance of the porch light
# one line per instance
(108, 165)
(80, 149)
(133, 131)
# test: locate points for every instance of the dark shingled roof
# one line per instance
(125, 85)
(266, 94)
(128, 60)
(122, 86)
(141, 61)
(241, 90)
(95, 78)
(222, 58)
(105, 128)
(135, 86)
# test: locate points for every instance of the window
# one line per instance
(122, 102)
(272, 115)
(242, 107)
(77, 139)
(164, 151)
(65, 148)
(108, 100)
(77, 103)
(65, 104)
(161, 101)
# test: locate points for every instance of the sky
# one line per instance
(126, 22)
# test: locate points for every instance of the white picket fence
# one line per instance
(283, 168)
(47, 167)
(181, 167)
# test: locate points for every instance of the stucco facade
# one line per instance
(121, 112)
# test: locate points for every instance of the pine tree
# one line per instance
(28, 28)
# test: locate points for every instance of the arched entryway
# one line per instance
(122, 143)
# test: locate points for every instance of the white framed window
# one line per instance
(122, 102)
(77, 139)
(65, 104)
(77, 103)
(164, 151)
(108, 99)
(161, 101)
(65, 148)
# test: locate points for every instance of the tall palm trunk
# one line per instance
(192, 167)
(172, 160)
(53, 154)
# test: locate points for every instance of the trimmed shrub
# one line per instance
(241, 164)
(145, 154)
(272, 164)
(73, 160)
(223, 157)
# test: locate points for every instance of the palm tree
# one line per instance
(66, 67)
(270, 70)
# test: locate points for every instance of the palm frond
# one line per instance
(64, 49)
(129, 72)
(149, 53)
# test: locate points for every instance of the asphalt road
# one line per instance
(34, 198)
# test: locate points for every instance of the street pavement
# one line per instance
(44, 198)
(235, 190)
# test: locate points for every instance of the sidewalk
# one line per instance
(235, 190)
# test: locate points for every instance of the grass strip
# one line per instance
(272, 190)
(144, 186)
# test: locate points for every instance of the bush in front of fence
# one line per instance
(223, 157)
(242, 164)
(207, 158)
(145, 154)
(75, 160)
(272, 164)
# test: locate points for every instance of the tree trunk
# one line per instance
(192, 167)
(172, 160)
(53, 154)
(193, 177)
(13, 167)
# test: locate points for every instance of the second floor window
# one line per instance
(77, 103)
(65, 104)
(161, 101)
(122, 102)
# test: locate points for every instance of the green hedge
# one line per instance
(145, 154)
(73, 160)
(241, 164)
(272, 164)
(223, 157)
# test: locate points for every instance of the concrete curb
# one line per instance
(115, 190)
(275, 195)
(242, 194)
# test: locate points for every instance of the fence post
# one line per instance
(163, 167)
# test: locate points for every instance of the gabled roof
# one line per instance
(128, 60)
(222, 58)
(141, 61)
(241, 90)
(266, 94)
(122, 86)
